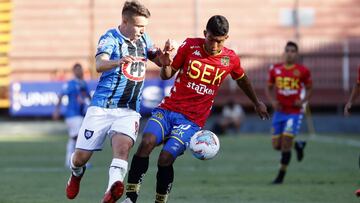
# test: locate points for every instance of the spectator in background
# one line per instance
(78, 97)
(231, 118)
(59, 75)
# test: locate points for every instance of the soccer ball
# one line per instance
(204, 145)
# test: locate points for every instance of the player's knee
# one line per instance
(276, 146)
(122, 151)
(286, 145)
(80, 158)
(276, 143)
(165, 159)
(285, 158)
(147, 144)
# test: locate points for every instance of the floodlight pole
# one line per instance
(91, 39)
(296, 21)
(196, 18)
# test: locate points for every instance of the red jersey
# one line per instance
(288, 83)
(199, 78)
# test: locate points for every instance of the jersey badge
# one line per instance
(225, 61)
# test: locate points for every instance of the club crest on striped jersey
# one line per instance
(135, 70)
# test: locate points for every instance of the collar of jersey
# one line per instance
(203, 46)
(125, 38)
(289, 67)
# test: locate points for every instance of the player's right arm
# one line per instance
(103, 62)
(64, 91)
(56, 113)
(167, 72)
(106, 46)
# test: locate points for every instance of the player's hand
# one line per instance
(275, 105)
(167, 54)
(347, 108)
(165, 59)
(261, 110)
(299, 103)
(56, 115)
(170, 46)
(126, 59)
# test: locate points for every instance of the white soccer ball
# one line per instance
(204, 145)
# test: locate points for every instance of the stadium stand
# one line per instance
(5, 37)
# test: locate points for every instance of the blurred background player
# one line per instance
(289, 79)
(202, 65)
(354, 94)
(121, 57)
(78, 95)
(231, 118)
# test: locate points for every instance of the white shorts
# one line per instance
(73, 124)
(102, 122)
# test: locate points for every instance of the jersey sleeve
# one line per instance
(180, 56)
(237, 71)
(65, 88)
(84, 88)
(271, 76)
(106, 44)
(150, 49)
(306, 77)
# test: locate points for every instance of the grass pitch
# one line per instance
(31, 171)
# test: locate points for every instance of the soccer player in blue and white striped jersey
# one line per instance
(121, 57)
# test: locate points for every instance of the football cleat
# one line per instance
(127, 200)
(357, 193)
(277, 181)
(299, 148)
(73, 185)
(115, 192)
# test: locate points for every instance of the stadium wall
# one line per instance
(49, 36)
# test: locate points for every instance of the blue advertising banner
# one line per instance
(40, 98)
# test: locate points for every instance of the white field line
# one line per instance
(335, 140)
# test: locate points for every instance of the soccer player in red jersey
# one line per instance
(288, 79)
(202, 65)
(354, 94)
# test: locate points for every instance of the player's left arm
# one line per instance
(354, 94)
(308, 93)
(64, 91)
(306, 80)
(244, 83)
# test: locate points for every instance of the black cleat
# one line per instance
(299, 148)
(280, 178)
(277, 182)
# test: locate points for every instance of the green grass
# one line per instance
(31, 171)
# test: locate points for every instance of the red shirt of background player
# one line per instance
(289, 81)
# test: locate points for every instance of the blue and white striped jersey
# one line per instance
(121, 87)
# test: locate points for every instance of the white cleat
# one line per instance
(127, 200)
